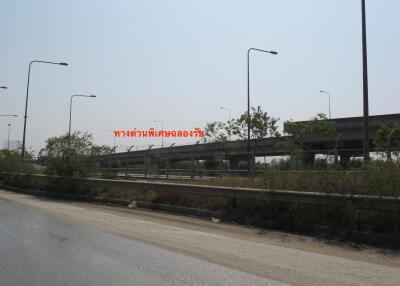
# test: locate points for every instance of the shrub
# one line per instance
(10, 161)
(376, 178)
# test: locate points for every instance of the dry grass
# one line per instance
(381, 179)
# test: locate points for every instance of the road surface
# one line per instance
(45, 242)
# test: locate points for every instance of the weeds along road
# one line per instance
(45, 242)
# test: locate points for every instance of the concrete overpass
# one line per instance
(348, 135)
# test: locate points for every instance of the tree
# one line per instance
(306, 135)
(388, 138)
(10, 161)
(73, 162)
(81, 145)
(215, 132)
(261, 125)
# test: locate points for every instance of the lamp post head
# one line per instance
(63, 64)
(84, 95)
(273, 52)
(3, 87)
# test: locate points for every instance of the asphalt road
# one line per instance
(38, 248)
(45, 242)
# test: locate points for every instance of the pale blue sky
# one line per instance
(179, 61)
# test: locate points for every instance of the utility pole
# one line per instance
(365, 85)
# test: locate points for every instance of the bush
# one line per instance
(71, 167)
(321, 164)
(383, 178)
(282, 164)
(10, 161)
(377, 178)
(211, 164)
(356, 164)
(72, 156)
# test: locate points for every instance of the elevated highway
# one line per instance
(348, 138)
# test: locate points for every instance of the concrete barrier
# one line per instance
(357, 201)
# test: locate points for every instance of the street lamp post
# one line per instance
(162, 129)
(248, 98)
(8, 137)
(9, 125)
(329, 98)
(229, 112)
(365, 85)
(70, 116)
(26, 100)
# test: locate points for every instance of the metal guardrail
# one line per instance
(192, 173)
(199, 173)
(308, 198)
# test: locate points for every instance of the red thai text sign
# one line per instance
(195, 133)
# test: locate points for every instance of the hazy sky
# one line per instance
(179, 61)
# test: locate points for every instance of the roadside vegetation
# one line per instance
(10, 161)
(388, 140)
(262, 125)
(348, 223)
(76, 160)
(378, 177)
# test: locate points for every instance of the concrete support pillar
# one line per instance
(252, 164)
(168, 167)
(147, 163)
(234, 164)
(195, 163)
(126, 168)
(293, 161)
(308, 159)
(336, 160)
(345, 159)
